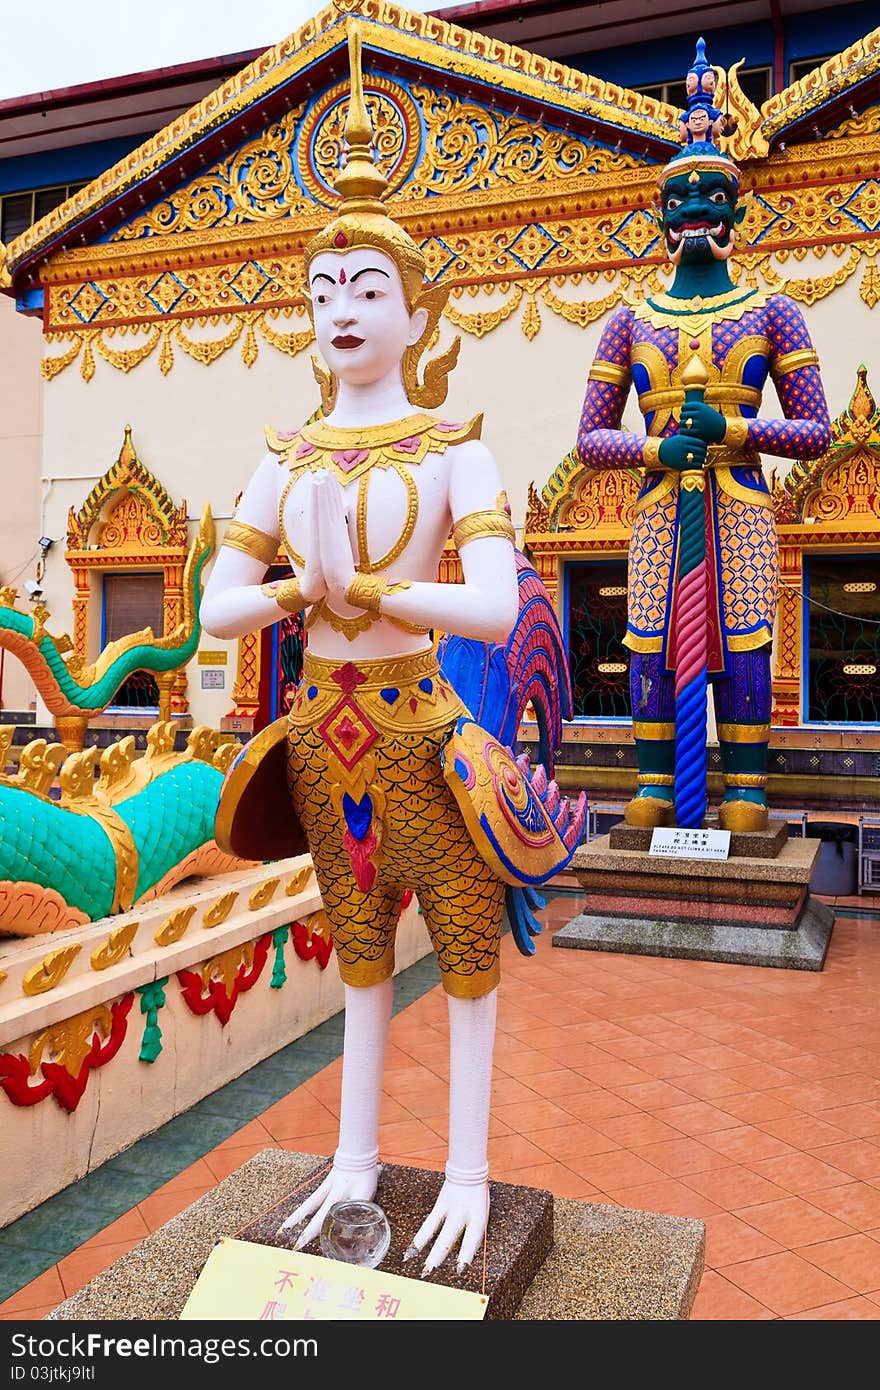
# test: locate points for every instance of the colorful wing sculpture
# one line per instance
(519, 820)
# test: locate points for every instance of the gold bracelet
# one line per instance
(476, 525)
(367, 590)
(736, 432)
(651, 452)
(251, 541)
(757, 780)
(287, 594)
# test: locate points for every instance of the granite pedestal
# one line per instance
(604, 1263)
(754, 908)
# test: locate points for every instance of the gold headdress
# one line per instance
(363, 221)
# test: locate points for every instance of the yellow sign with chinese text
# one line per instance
(213, 658)
(260, 1283)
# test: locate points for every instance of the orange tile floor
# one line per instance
(749, 1098)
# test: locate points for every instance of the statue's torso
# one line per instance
(395, 480)
(735, 345)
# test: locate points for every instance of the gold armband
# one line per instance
(791, 361)
(252, 541)
(367, 590)
(736, 432)
(476, 525)
(287, 594)
(651, 452)
(611, 372)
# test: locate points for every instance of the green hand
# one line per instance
(700, 419)
(683, 451)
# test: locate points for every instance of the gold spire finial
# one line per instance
(361, 184)
(694, 374)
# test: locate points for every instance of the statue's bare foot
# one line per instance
(462, 1209)
(340, 1185)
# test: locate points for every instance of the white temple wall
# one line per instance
(21, 397)
(200, 429)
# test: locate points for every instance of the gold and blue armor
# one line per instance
(741, 337)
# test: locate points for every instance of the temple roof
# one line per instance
(396, 41)
(277, 95)
(843, 86)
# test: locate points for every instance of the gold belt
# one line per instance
(377, 674)
(717, 393)
(398, 694)
(722, 456)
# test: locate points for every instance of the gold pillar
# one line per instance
(787, 673)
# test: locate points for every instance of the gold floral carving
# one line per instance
(471, 147)
(115, 947)
(162, 522)
(70, 1042)
(50, 971)
(228, 964)
(219, 910)
(166, 336)
(174, 927)
(843, 485)
(130, 520)
(748, 140)
(299, 881)
(537, 516)
(254, 184)
(603, 501)
(868, 123)
(869, 289)
(263, 894)
(246, 690)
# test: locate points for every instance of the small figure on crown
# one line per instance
(702, 121)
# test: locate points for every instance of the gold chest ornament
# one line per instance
(352, 455)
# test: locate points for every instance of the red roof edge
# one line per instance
(131, 83)
(496, 11)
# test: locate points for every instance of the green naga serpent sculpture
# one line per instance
(143, 825)
(72, 691)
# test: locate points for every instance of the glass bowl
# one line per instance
(357, 1233)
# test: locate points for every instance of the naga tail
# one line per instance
(497, 683)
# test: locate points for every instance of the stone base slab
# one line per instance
(607, 1263)
(803, 948)
(744, 844)
(783, 917)
(793, 864)
(519, 1238)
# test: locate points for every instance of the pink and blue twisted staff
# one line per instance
(691, 632)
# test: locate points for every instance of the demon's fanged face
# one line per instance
(700, 211)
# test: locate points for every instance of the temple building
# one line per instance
(159, 301)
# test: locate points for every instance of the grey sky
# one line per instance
(47, 44)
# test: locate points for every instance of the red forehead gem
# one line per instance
(342, 276)
(340, 239)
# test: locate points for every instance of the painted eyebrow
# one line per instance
(367, 270)
(321, 276)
